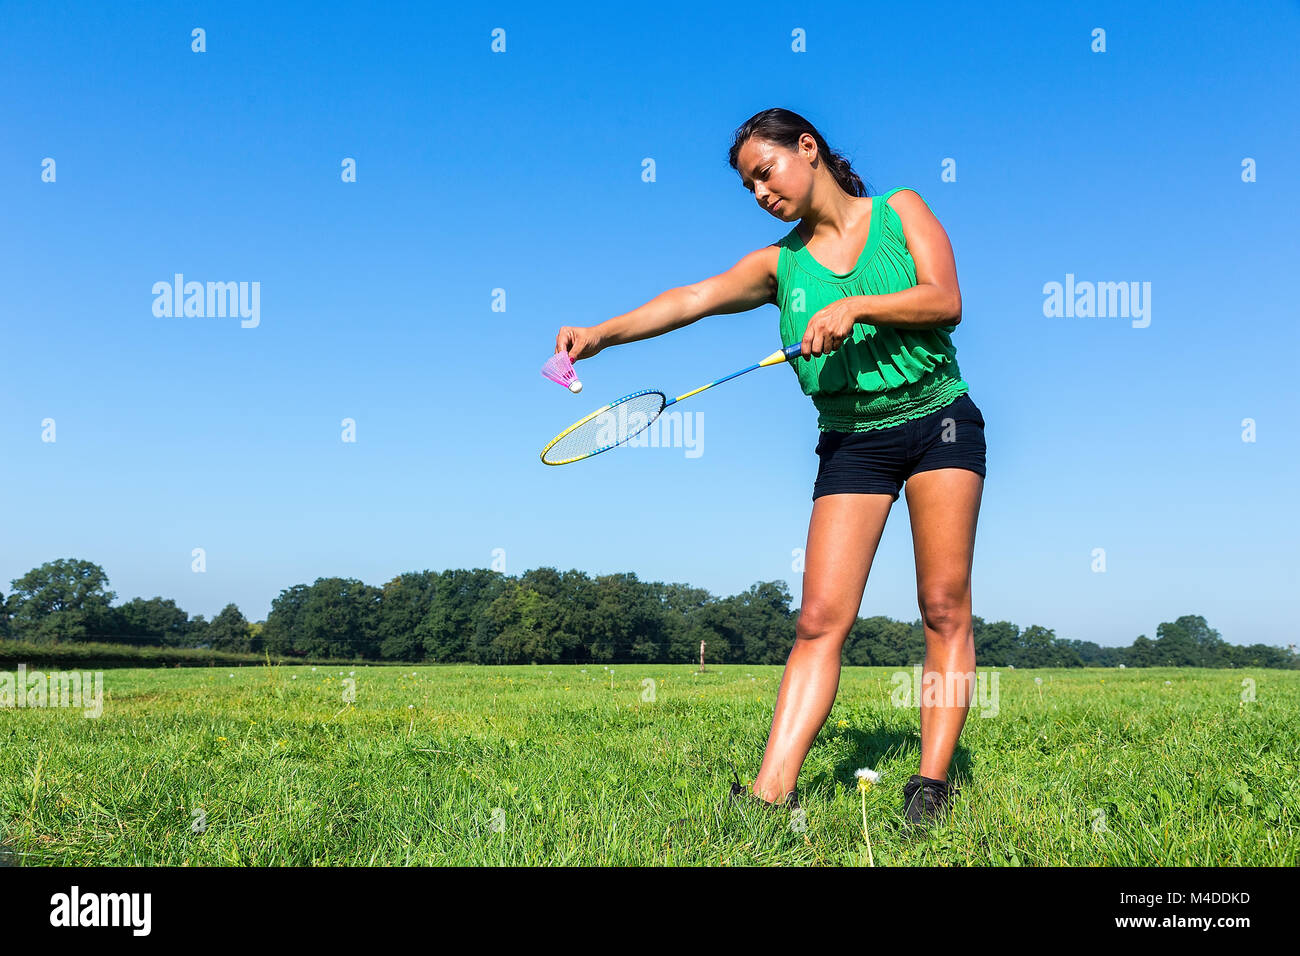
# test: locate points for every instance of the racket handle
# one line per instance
(786, 354)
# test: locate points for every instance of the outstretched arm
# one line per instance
(751, 282)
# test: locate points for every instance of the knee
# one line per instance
(819, 621)
(946, 612)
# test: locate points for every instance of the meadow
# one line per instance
(571, 765)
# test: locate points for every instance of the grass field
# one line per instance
(565, 765)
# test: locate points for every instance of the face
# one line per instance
(779, 178)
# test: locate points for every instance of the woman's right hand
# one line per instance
(579, 342)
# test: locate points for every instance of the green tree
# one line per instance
(62, 600)
(196, 631)
(767, 624)
(524, 625)
(755, 626)
(625, 623)
(156, 621)
(1189, 642)
(230, 631)
(880, 641)
(340, 619)
(407, 600)
(1261, 655)
(682, 606)
(1037, 648)
(1091, 654)
(996, 643)
(1142, 653)
(722, 631)
(285, 631)
(455, 620)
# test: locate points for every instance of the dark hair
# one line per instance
(784, 128)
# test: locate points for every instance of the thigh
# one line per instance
(843, 535)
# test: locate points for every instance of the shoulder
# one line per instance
(906, 199)
(785, 247)
(789, 241)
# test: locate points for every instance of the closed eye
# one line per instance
(762, 175)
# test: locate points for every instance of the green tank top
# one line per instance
(883, 375)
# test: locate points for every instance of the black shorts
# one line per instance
(879, 461)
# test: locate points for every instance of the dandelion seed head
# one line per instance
(866, 777)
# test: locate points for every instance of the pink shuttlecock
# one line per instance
(559, 369)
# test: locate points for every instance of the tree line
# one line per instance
(547, 616)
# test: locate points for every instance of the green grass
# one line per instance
(1092, 768)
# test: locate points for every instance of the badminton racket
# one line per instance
(623, 419)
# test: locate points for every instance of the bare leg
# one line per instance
(944, 507)
(843, 535)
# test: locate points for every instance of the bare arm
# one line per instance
(935, 300)
(751, 282)
(665, 312)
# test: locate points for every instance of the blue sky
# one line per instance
(522, 171)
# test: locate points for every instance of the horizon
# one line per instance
(500, 196)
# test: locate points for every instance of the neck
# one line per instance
(834, 212)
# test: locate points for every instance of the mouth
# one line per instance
(772, 208)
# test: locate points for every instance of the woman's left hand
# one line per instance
(830, 327)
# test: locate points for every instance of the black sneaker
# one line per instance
(743, 795)
(926, 799)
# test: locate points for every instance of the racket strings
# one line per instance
(623, 420)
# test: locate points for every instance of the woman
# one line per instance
(868, 285)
